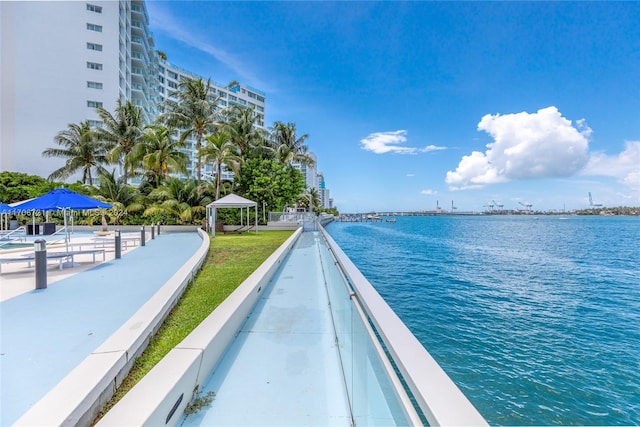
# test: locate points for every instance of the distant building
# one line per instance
(315, 179)
(323, 192)
(309, 172)
(61, 60)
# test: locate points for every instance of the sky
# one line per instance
(410, 106)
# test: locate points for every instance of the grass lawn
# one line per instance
(231, 259)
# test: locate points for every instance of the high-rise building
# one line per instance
(308, 171)
(315, 179)
(323, 192)
(62, 60)
(227, 95)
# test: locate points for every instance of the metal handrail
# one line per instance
(440, 400)
(62, 231)
(8, 235)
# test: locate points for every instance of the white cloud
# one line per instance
(625, 166)
(429, 192)
(432, 148)
(411, 174)
(525, 146)
(391, 142)
(387, 142)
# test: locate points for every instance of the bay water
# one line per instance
(536, 319)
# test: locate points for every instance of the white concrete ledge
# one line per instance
(157, 395)
(78, 398)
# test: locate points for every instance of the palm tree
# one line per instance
(219, 150)
(81, 150)
(310, 199)
(159, 154)
(194, 111)
(288, 146)
(184, 200)
(121, 132)
(240, 125)
(124, 198)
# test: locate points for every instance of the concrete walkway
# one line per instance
(283, 368)
(46, 333)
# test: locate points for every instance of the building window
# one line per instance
(94, 46)
(94, 66)
(94, 85)
(172, 85)
(94, 8)
(94, 104)
(232, 98)
(260, 98)
(161, 79)
(173, 75)
(95, 123)
(94, 27)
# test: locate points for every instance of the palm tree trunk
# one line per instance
(198, 158)
(218, 180)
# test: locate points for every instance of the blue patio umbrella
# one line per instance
(60, 199)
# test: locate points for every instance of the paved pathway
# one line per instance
(44, 334)
(283, 368)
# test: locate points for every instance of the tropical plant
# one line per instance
(288, 146)
(16, 186)
(193, 110)
(220, 150)
(271, 183)
(124, 198)
(240, 123)
(183, 201)
(159, 154)
(121, 133)
(82, 151)
(310, 200)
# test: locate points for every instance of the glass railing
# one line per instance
(390, 377)
(372, 386)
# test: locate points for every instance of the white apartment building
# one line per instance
(315, 179)
(227, 95)
(62, 59)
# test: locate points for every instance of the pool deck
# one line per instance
(283, 367)
(47, 333)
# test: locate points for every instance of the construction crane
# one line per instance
(591, 202)
(453, 208)
(498, 206)
(527, 206)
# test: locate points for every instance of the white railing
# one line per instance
(437, 396)
(19, 234)
(287, 216)
(62, 234)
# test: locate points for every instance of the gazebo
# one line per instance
(230, 201)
